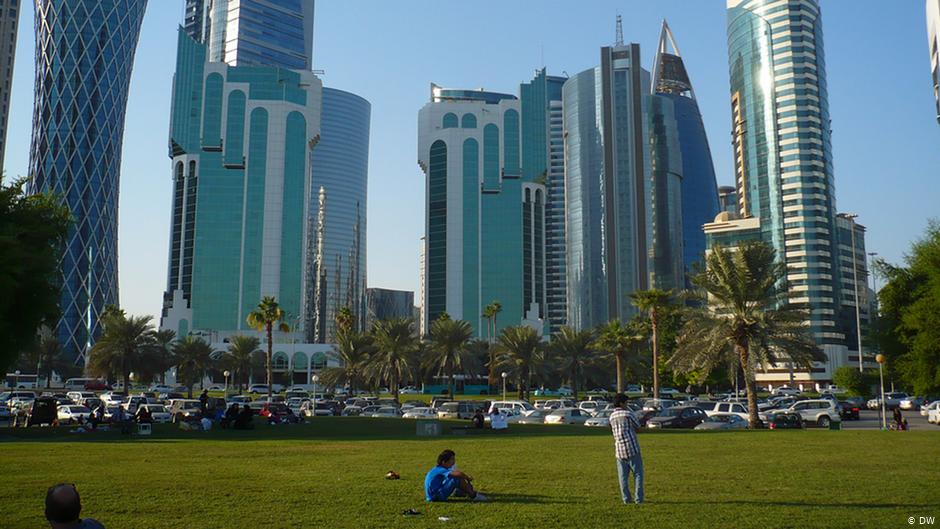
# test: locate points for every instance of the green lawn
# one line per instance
(330, 474)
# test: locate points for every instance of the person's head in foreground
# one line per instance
(64, 508)
(620, 401)
(447, 459)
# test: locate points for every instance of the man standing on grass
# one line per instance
(627, 449)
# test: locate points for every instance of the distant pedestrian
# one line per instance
(204, 401)
(627, 449)
(898, 419)
(64, 509)
(478, 419)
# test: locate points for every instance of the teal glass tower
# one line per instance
(84, 58)
(485, 219)
(543, 161)
(783, 159)
(241, 140)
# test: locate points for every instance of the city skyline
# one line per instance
(392, 245)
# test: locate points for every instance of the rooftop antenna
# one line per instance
(619, 41)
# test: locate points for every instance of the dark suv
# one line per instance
(677, 417)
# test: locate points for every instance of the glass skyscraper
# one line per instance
(340, 167)
(255, 32)
(240, 143)
(543, 160)
(485, 220)
(84, 57)
(783, 156)
(386, 304)
(9, 23)
(699, 188)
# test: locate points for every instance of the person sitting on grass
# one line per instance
(444, 480)
(64, 508)
(230, 415)
(244, 420)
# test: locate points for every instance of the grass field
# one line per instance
(330, 474)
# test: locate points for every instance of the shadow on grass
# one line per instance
(525, 498)
(803, 504)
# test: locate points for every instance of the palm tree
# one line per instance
(241, 355)
(345, 320)
(193, 357)
(490, 312)
(123, 346)
(748, 315)
(654, 302)
(448, 349)
(396, 346)
(574, 349)
(353, 350)
(519, 350)
(616, 339)
(263, 319)
(162, 357)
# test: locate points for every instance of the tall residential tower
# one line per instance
(933, 33)
(75, 152)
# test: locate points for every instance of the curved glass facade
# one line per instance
(340, 165)
(584, 176)
(84, 57)
(783, 149)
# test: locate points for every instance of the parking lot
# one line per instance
(871, 420)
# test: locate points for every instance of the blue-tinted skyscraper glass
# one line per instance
(84, 57)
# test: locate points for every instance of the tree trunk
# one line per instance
(450, 378)
(618, 357)
(394, 388)
(653, 323)
(270, 360)
(744, 357)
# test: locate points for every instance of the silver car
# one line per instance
(723, 421)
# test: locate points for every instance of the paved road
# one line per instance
(871, 420)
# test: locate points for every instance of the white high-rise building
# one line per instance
(933, 31)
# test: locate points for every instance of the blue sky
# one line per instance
(886, 141)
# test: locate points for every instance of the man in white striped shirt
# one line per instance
(627, 449)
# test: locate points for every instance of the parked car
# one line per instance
(387, 412)
(591, 407)
(933, 414)
(925, 409)
(72, 414)
(216, 387)
(182, 409)
(657, 404)
(409, 390)
(131, 404)
(832, 390)
(677, 417)
(419, 413)
(911, 403)
(729, 407)
(521, 406)
(18, 397)
(668, 393)
(787, 391)
(77, 396)
(820, 412)
(723, 421)
(633, 389)
(351, 411)
(113, 398)
(162, 388)
(310, 408)
(556, 404)
(848, 410)
(277, 409)
(42, 411)
(600, 419)
(706, 405)
(560, 392)
(263, 388)
(457, 410)
(5, 413)
(534, 417)
(566, 416)
(158, 412)
(892, 401)
(237, 399)
(783, 420)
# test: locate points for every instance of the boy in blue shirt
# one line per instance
(444, 480)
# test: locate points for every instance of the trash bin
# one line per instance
(835, 425)
(428, 428)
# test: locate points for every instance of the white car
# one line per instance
(112, 398)
(419, 413)
(78, 396)
(600, 419)
(931, 411)
(258, 388)
(786, 391)
(521, 406)
(566, 416)
(833, 390)
(216, 387)
(723, 421)
(510, 416)
(672, 392)
(591, 406)
(409, 390)
(535, 417)
(893, 400)
(72, 414)
(387, 412)
(818, 411)
(728, 407)
(162, 388)
(158, 412)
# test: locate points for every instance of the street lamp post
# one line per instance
(315, 379)
(16, 379)
(226, 373)
(881, 369)
(504, 375)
